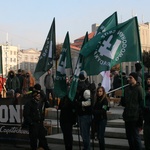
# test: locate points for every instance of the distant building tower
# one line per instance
(95, 27)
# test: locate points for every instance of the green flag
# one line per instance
(48, 53)
(119, 44)
(1, 65)
(65, 62)
(108, 23)
(78, 68)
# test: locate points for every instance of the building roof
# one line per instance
(78, 42)
(74, 47)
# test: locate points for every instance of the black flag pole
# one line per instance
(57, 100)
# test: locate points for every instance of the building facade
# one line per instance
(27, 59)
(14, 59)
(9, 58)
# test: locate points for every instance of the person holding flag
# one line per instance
(61, 87)
(132, 116)
(67, 120)
(83, 105)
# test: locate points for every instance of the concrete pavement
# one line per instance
(51, 146)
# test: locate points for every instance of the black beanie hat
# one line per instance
(37, 86)
(82, 75)
(134, 75)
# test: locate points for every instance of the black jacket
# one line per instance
(67, 111)
(34, 112)
(82, 86)
(100, 109)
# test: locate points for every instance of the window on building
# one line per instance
(132, 68)
(127, 70)
(31, 58)
(31, 66)
(26, 66)
(10, 59)
(21, 66)
(14, 68)
(10, 67)
(26, 57)
(15, 53)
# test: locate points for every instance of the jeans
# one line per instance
(101, 133)
(132, 133)
(85, 124)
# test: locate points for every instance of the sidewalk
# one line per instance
(114, 111)
(51, 146)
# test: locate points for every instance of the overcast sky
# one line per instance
(27, 22)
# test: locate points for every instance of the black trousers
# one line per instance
(37, 132)
(67, 134)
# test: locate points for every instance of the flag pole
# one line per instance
(2, 73)
(57, 100)
(117, 88)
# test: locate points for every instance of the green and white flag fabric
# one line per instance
(119, 44)
(108, 23)
(45, 61)
(65, 62)
(74, 84)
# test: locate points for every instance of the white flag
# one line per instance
(106, 82)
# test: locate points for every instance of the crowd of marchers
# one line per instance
(88, 110)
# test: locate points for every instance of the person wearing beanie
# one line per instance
(132, 102)
(34, 115)
(133, 75)
(100, 116)
(82, 75)
(83, 105)
(37, 86)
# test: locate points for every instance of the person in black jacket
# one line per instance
(83, 103)
(34, 113)
(100, 115)
(132, 102)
